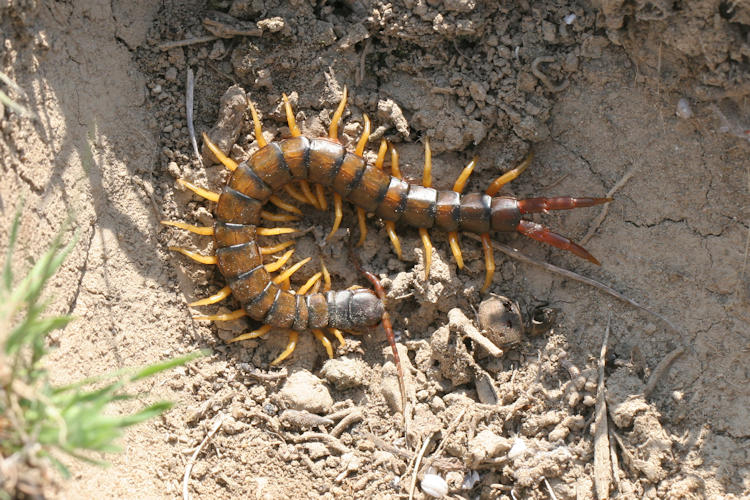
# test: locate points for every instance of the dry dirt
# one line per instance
(600, 112)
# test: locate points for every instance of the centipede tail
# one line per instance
(305, 168)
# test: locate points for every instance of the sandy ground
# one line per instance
(599, 111)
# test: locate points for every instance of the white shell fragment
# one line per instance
(684, 110)
(519, 448)
(434, 485)
(569, 19)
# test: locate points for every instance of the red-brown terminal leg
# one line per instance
(543, 234)
(537, 205)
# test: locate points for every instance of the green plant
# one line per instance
(38, 419)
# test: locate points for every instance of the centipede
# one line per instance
(306, 169)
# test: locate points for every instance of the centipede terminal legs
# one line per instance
(385, 321)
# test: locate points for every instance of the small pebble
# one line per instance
(304, 391)
(569, 19)
(171, 74)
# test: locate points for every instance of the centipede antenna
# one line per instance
(489, 261)
(324, 340)
(307, 191)
(213, 299)
(427, 251)
(276, 248)
(239, 313)
(427, 173)
(278, 217)
(510, 175)
(309, 283)
(456, 249)
(258, 128)
(224, 159)
(251, 335)
(292, 191)
(326, 276)
(333, 130)
(274, 231)
(202, 230)
(284, 205)
(362, 226)
(382, 150)
(293, 269)
(290, 346)
(360, 149)
(464, 176)
(203, 259)
(293, 129)
(205, 193)
(339, 336)
(275, 266)
(338, 214)
(543, 234)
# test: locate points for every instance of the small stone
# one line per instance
(486, 445)
(174, 170)
(171, 74)
(344, 373)
(304, 391)
(272, 24)
(316, 450)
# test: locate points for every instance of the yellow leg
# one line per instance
(464, 176)
(427, 174)
(395, 170)
(290, 346)
(333, 130)
(362, 226)
(292, 191)
(427, 251)
(456, 249)
(202, 230)
(226, 161)
(293, 129)
(258, 129)
(363, 139)
(326, 276)
(390, 227)
(321, 196)
(276, 248)
(338, 214)
(284, 205)
(316, 287)
(286, 285)
(274, 231)
(510, 175)
(307, 191)
(239, 313)
(489, 261)
(213, 299)
(252, 335)
(205, 193)
(275, 266)
(313, 280)
(337, 333)
(382, 150)
(324, 340)
(278, 217)
(293, 269)
(203, 259)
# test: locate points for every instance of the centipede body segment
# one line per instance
(305, 168)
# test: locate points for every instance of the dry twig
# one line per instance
(602, 464)
(189, 467)
(660, 370)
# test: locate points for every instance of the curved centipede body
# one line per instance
(325, 163)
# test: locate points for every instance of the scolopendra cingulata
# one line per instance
(293, 164)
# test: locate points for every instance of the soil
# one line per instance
(644, 101)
